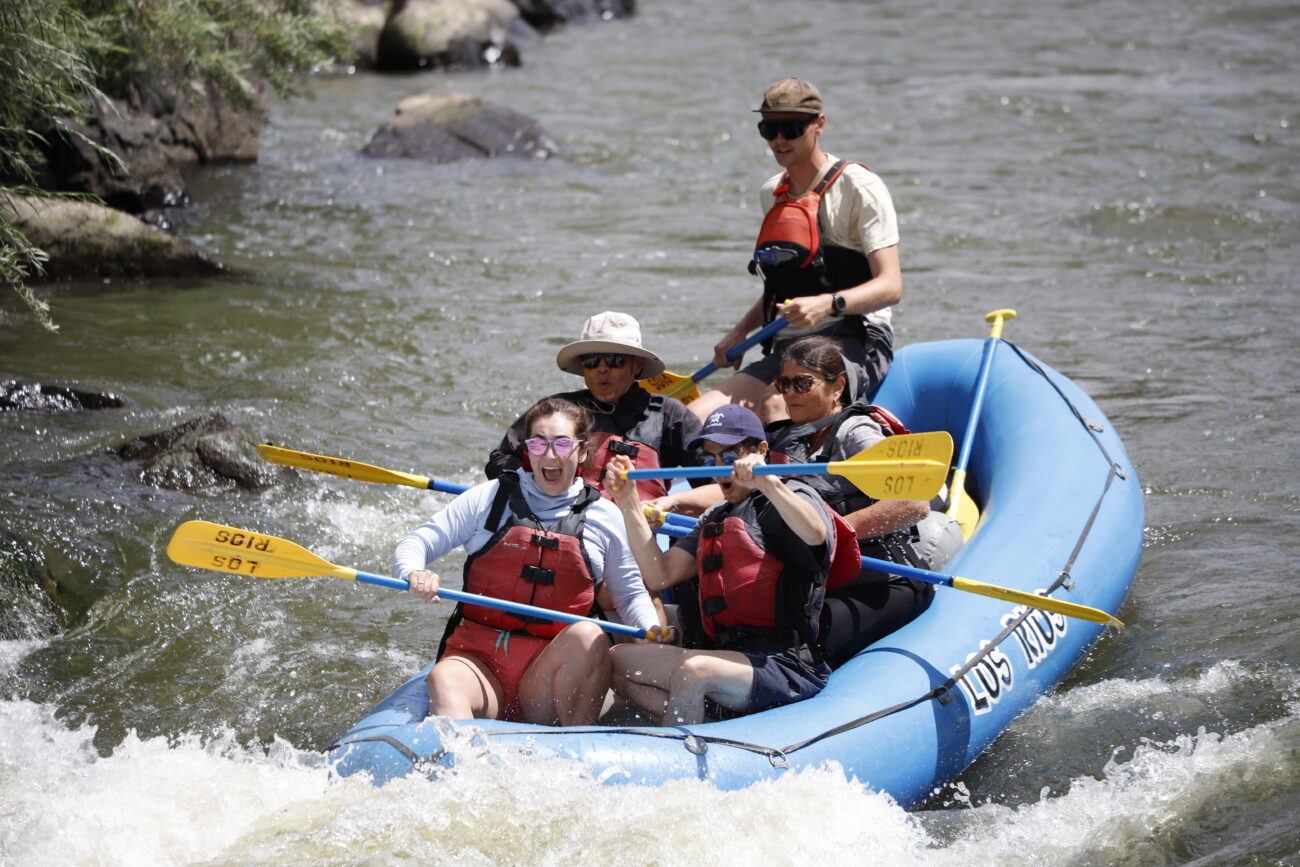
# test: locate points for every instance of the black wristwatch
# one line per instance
(837, 304)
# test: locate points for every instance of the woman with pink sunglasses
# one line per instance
(545, 538)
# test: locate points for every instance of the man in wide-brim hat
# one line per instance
(652, 430)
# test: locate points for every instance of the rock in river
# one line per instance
(203, 454)
(446, 127)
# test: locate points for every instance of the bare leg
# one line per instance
(637, 678)
(671, 683)
(462, 687)
(725, 676)
(567, 682)
(748, 391)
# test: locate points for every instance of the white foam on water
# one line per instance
(151, 802)
(184, 801)
(1121, 815)
(13, 652)
(189, 800)
(1219, 678)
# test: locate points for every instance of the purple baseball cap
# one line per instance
(730, 424)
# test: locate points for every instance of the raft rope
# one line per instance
(698, 743)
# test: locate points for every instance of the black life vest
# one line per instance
(793, 262)
(749, 598)
(640, 444)
(788, 443)
(524, 562)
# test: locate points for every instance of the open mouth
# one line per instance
(552, 475)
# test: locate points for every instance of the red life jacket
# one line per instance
(523, 562)
(640, 445)
(793, 262)
(749, 598)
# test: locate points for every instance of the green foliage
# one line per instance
(142, 42)
(42, 62)
(57, 56)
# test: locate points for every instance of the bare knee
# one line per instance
(459, 688)
(446, 694)
(589, 637)
(771, 407)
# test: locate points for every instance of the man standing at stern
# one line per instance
(827, 252)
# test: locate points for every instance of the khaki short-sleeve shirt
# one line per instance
(856, 213)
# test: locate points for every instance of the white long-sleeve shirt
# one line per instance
(604, 539)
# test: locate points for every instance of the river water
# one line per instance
(1124, 174)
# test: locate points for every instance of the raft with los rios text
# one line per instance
(1061, 514)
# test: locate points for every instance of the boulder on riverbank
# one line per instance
(85, 240)
(396, 35)
(204, 454)
(35, 397)
(157, 135)
(446, 127)
(546, 14)
(424, 34)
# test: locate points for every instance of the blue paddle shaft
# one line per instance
(736, 351)
(677, 528)
(447, 488)
(977, 403)
(718, 471)
(509, 607)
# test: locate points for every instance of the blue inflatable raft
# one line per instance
(1061, 514)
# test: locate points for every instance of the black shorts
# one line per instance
(782, 679)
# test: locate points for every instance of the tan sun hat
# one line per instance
(609, 332)
(792, 95)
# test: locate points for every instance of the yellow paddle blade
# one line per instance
(1033, 600)
(960, 505)
(244, 552)
(340, 467)
(903, 467)
(671, 384)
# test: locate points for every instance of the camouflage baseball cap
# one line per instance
(792, 95)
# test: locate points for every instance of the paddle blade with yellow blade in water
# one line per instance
(679, 525)
(258, 555)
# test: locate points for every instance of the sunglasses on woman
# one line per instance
(787, 129)
(613, 360)
(801, 384)
(563, 446)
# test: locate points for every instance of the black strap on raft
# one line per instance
(698, 744)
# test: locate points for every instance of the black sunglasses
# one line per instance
(787, 129)
(613, 360)
(801, 384)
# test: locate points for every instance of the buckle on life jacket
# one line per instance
(713, 605)
(775, 255)
(538, 575)
(711, 563)
(548, 542)
(620, 447)
(710, 530)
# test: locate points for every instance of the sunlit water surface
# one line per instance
(1121, 173)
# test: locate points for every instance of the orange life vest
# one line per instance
(793, 262)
